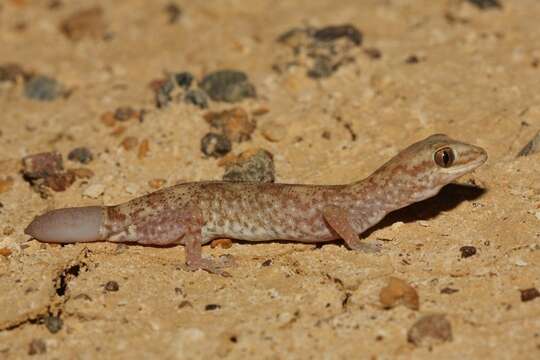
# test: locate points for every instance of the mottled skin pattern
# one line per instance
(194, 213)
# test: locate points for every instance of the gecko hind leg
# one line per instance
(339, 220)
(194, 259)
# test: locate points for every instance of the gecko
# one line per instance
(195, 213)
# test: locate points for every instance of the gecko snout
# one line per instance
(69, 225)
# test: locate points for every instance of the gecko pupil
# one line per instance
(444, 157)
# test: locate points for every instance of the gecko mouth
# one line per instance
(469, 162)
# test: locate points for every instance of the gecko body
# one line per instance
(195, 213)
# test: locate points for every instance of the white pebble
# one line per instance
(94, 191)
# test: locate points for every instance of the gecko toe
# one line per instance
(208, 265)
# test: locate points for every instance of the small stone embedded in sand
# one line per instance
(467, 251)
(129, 142)
(84, 23)
(334, 32)
(486, 4)
(197, 97)
(6, 184)
(5, 252)
(157, 183)
(251, 165)
(37, 347)
(215, 145)
(273, 132)
(12, 72)
(42, 165)
(234, 123)
(174, 12)
(266, 262)
(94, 191)
(430, 330)
(53, 323)
(184, 79)
(108, 119)
(61, 181)
(144, 148)
(373, 53)
(532, 147)
(43, 88)
(81, 154)
(125, 113)
(112, 286)
(222, 243)
(448, 291)
(529, 294)
(163, 93)
(228, 86)
(398, 291)
(210, 307)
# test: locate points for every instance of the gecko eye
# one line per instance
(444, 157)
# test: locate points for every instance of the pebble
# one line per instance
(399, 291)
(228, 86)
(43, 88)
(112, 286)
(210, 307)
(334, 32)
(60, 182)
(6, 184)
(42, 165)
(84, 23)
(529, 294)
(53, 323)
(125, 113)
(108, 119)
(11, 73)
(197, 97)
(486, 4)
(94, 191)
(157, 183)
(174, 12)
(251, 165)
(215, 145)
(532, 147)
(235, 123)
(222, 243)
(5, 252)
(467, 251)
(430, 330)
(36, 347)
(273, 132)
(448, 291)
(163, 93)
(144, 148)
(81, 154)
(129, 142)
(184, 79)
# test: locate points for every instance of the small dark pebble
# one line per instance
(486, 4)
(267, 262)
(334, 32)
(173, 12)
(228, 86)
(61, 181)
(81, 154)
(112, 286)
(448, 291)
(259, 167)
(41, 165)
(412, 59)
(322, 68)
(37, 346)
(11, 72)
(215, 145)
(163, 93)
(183, 79)
(43, 88)
(467, 251)
(532, 147)
(529, 294)
(184, 304)
(124, 113)
(373, 53)
(197, 97)
(53, 323)
(430, 329)
(210, 307)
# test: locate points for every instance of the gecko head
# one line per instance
(423, 168)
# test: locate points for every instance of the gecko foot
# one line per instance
(208, 265)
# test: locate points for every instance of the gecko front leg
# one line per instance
(339, 220)
(193, 245)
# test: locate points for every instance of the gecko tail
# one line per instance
(69, 225)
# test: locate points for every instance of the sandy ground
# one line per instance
(445, 66)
